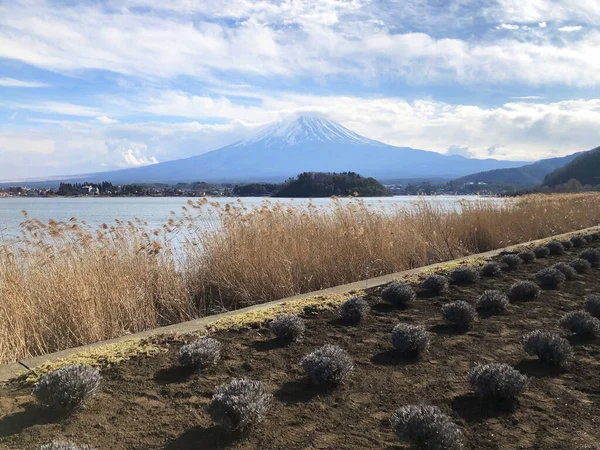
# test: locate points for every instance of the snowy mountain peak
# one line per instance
(303, 129)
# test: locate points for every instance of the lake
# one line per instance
(156, 211)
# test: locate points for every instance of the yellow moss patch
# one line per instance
(314, 304)
(101, 357)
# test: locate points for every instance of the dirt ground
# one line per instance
(148, 403)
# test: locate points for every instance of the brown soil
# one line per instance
(148, 403)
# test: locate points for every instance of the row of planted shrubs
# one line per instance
(241, 403)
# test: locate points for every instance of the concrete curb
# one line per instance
(12, 370)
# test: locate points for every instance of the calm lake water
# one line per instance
(157, 210)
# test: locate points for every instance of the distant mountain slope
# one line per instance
(585, 169)
(528, 175)
(305, 144)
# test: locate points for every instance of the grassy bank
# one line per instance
(65, 284)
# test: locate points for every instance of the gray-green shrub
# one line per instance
(527, 256)
(64, 445)
(511, 262)
(555, 247)
(592, 305)
(239, 404)
(578, 241)
(290, 327)
(465, 274)
(549, 347)
(67, 388)
(493, 301)
(459, 314)
(567, 244)
(435, 284)
(427, 428)
(491, 269)
(550, 277)
(523, 291)
(353, 310)
(410, 340)
(497, 380)
(582, 323)
(541, 251)
(591, 255)
(398, 294)
(569, 272)
(580, 265)
(200, 354)
(328, 365)
(594, 236)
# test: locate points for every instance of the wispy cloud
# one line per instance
(570, 29)
(11, 82)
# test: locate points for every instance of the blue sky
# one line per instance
(89, 85)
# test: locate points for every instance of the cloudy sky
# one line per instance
(99, 85)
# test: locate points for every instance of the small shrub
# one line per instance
(353, 310)
(568, 245)
(398, 294)
(550, 278)
(594, 237)
(427, 428)
(289, 327)
(493, 301)
(528, 256)
(592, 256)
(524, 290)
(459, 314)
(498, 381)
(580, 265)
(593, 305)
(588, 237)
(200, 354)
(67, 388)
(239, 404)
(63, 445)
(328, 365)
(578, 241)
(511, 262)
(582, 323)
(435, 284)
(541, 251)
(410, 340)
(465, 274)
(569, 273)
(550, 348)
(491, 269)
(555, 247)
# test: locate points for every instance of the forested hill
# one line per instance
(528, 175)
(585, 169)
(319, 184)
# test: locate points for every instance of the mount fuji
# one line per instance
(303, 144)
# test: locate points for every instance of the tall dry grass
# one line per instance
(64, 284)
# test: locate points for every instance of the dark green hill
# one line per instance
(320, 184)
(585, 169)
(524, 176)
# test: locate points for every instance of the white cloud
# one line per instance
(134, 157)
(570, 29)
(281, 40)
(105, 120)
(507, 26)
(52, 107)
(527, 11)
(542, 24)
(11, 82)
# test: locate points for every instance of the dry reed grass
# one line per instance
(65, 284)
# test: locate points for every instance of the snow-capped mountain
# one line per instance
(305, 129)
(305, 143)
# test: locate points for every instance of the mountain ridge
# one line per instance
(304, 144)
